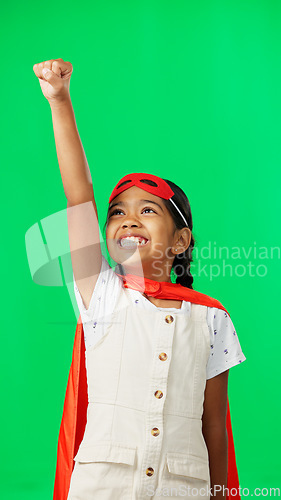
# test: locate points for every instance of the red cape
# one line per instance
(76, 401)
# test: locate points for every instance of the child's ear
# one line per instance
(183, 240)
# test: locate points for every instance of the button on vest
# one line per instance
(158, 394)
(155, 431)
(169, 319)
(149, 471)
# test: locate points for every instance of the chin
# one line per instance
(126, 256)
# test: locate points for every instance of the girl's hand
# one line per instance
(55, 82)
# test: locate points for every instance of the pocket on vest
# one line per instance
(188, 465)
(106, 453)
(104, 472)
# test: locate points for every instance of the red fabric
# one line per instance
(74, 416)
(162, 189)
(165, 290)
(75, 405)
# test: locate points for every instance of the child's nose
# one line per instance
(131, 222)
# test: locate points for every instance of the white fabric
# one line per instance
(225, 351)
(146, 388)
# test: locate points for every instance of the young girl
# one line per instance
(157, 353)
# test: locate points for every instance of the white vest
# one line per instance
(146, 382)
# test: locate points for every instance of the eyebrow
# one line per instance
(141, 201)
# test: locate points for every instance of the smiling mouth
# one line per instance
(132, 242)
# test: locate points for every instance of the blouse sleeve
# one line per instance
(226, 351)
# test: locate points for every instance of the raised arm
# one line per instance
(82, 216)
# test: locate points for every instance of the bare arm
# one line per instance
(82, 214)
(214, 430)
(74, 169)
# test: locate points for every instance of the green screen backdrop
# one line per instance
(187, 91)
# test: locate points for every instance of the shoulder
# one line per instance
(107, 285)
(196, 297)
(218, 320)
(225, 349)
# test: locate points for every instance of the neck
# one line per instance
(155, 275)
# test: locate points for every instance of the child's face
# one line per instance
(136, 212)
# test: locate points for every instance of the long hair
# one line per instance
(181, 262)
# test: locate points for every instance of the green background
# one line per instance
(190, 92)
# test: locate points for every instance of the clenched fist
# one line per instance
(54, 78)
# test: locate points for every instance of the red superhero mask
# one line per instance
(160, 188)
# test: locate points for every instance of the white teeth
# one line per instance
(131, 241)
